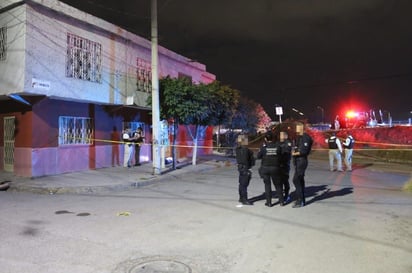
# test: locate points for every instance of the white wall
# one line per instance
(12, 69)
(46, 56)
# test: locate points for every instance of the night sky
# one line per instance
(301, 54)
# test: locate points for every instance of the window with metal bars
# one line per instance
(84, 59)
(3, 43)
(144, 75)
(75, 131)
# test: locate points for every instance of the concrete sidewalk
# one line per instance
(120, 178)
(107, 179)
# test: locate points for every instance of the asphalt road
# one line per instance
(353, 222)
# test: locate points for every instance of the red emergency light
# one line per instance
(352, 114)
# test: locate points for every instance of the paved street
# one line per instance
(191, 222)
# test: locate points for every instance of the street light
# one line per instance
(323, 113)
(297, 111)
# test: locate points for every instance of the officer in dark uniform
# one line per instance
(285, 156)
(245, 160)
(348, 145)
(270, 169)
(335, 152)
(301, 150)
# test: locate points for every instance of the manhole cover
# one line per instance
(153, 265)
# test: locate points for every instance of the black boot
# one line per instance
(243, 199)
(246, 202)
(268, 202)
(299, 204)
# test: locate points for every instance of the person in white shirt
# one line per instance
(128, 148)
(335, 151)
(348, 145)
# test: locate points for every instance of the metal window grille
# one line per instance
(84, 59)
(3, 43)
(75, 131)
(144, 75)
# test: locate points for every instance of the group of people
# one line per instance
(133, 140)
(336, 149)
(276, 155)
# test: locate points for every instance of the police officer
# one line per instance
(138, 140)
(335, 151)
(285, 156)
(348, 145)
(301, 150)
(245, 160)
(270, 169)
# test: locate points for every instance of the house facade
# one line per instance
(69, 83)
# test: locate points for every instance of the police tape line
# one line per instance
(384, 144)
(150, 144)
(367, 149)
(230, 148)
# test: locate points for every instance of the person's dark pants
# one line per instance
(301, 163)
(244, 179)
(137, 154)
(269, 175)
(284, 177)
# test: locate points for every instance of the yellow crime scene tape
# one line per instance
(405, 147)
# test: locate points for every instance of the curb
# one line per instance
(25, 186)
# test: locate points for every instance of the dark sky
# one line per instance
(297, 53)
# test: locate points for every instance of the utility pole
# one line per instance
(156, 148)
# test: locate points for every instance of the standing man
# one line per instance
(335, 151)
(348, 145)
(301, 150)
(138, 140)
(285, 156)
(128, 148)
(337, 123)
(245, 160)
(270, 169)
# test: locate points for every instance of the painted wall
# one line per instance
(37, 152)
(37, 48)
(47, 50)
(50, 158)
(12, 69)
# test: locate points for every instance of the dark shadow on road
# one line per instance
(361, 166)
(262, 197)
(258, 198)
(319, 192)
(313, 190)
(329, 194)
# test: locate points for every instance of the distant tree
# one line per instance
(194, 105)
(222, 105)
(263, 118)
(198, 114)
(174, 102)
(199, 105)
(245, 117)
